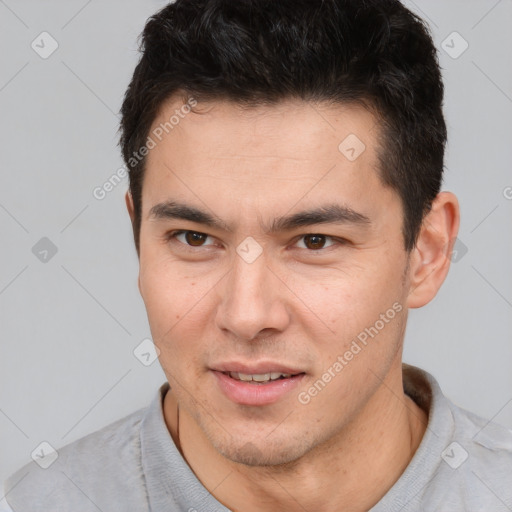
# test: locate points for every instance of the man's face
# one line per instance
(255, 295)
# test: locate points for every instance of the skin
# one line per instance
(298, 303)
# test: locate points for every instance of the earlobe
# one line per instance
(430, 258)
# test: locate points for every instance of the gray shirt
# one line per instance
(464, 463)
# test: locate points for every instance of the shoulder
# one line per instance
(488, 444)
(476, 464)
(87, 473)
(464, 461)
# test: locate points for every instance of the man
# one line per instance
(285, 169)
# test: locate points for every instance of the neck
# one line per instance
(352, 471)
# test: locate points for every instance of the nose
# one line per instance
(253, 299)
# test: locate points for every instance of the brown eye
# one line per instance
(314, 241)
(194, 238)
(189, 238)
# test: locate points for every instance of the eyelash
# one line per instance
(171, 237)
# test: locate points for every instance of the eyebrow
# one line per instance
(326, 214)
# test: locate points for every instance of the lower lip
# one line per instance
(246, 393)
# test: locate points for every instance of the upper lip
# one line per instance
(259, 368)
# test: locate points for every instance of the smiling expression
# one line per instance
(265, 249)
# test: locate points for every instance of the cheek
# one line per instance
(357, 315)
(175, 299)
(174, 324)
(343, 298)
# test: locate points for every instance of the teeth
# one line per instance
(259, 377)
(276, 375)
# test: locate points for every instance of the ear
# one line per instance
(431, 257)
(131, 212)
(129, 205)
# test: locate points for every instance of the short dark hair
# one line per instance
(253, 52)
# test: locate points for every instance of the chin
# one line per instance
(263, 454)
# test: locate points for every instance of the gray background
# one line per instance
(70, 323)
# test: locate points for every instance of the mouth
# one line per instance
(260, 378)
(257, 386)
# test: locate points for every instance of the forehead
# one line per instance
(293, 150)
(290, 129)
(297, 125)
